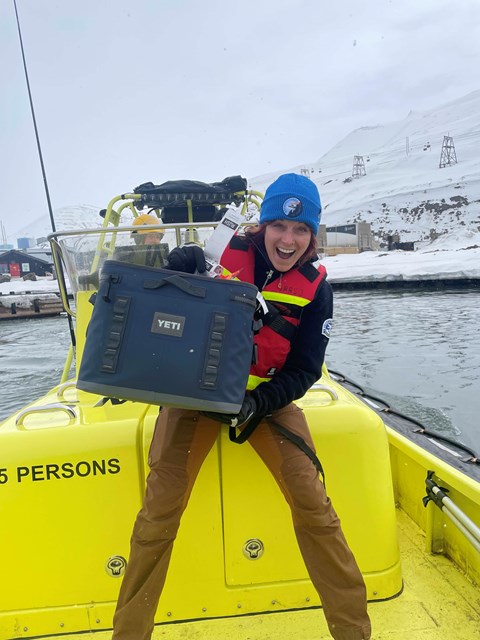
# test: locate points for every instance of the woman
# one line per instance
(279, 257)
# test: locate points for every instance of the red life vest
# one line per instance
(289, 294)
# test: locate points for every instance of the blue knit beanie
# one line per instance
(292, 197)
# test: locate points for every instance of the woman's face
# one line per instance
(286, 241)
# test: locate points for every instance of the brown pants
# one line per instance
(180, 444)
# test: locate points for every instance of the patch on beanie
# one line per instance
(292, 207)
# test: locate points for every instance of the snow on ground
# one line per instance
(445, 258)
(452, 256)
(18, 285)
(427, 264)
(23, 301)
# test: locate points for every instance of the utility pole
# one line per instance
(448, 155)
(358, 167)
(407, 146)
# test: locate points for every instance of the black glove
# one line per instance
(188, 259)
(246, 413)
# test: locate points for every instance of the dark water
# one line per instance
(32, 357)
(418, 350)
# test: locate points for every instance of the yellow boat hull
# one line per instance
(72, 478)
(74, 485)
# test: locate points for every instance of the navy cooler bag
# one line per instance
(169, 338)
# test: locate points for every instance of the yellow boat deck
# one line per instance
(437, 603)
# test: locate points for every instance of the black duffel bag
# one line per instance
(169, 338)
(172, 197)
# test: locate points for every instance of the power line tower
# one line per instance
(358, 167)
(3, 237)
(448, 155)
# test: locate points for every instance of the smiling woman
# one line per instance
(287, 243)
(289, 225)
(288, 353)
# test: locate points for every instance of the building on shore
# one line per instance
(18, 263)
(347, 238)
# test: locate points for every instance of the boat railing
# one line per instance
(46, 408)
(438, 495)
(79, 254)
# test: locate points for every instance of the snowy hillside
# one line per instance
(405, 193)
(74, 217)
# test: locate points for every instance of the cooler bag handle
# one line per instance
(180, 283)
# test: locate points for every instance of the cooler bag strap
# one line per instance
(286, 433)
(301, 444)
(246, 431)
(216, 341)
(115, 334)
(179, 282)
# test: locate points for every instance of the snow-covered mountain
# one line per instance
(404, 191)
(74, 217)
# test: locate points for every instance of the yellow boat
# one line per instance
(72, 476)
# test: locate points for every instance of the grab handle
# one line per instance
(321, 387)
(47, 408)
(180, 283)
(62, 388)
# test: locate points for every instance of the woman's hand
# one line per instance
(189, 259)
(246, 413)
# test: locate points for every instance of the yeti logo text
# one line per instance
(168, 325)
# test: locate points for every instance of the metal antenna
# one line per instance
(37, 137)
(47, 193)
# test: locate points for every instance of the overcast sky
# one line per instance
(131, 91)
